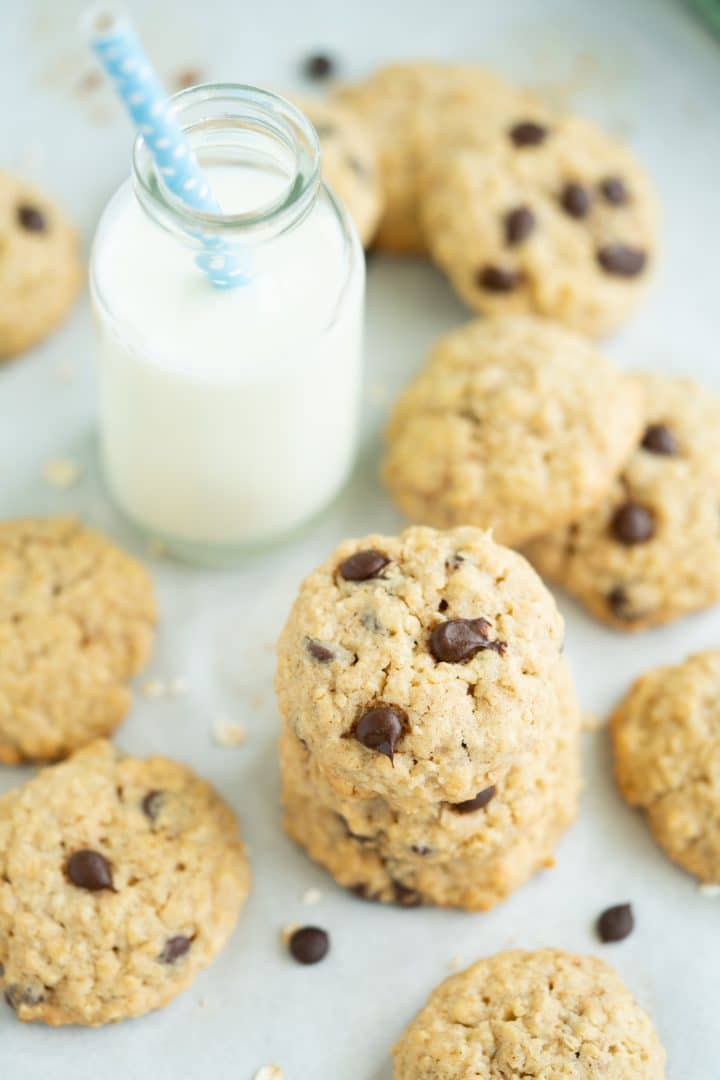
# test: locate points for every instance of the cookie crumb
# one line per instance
(269, 1072)
(154, 689)
(312, 897)
(228, 734)
(61, 473)
(709, 888)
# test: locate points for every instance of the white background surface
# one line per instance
(650, 72)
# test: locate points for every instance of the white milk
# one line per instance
(227, 418)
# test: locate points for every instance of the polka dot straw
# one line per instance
(124, 60)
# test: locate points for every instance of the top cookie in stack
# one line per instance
(525, 209)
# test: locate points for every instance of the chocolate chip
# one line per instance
(151, 804)
(174, 948)
(621, 260)
(363, 565)
(575, 200)
(405, 896)
(319, 66)
(519, 223)
(89, 870)
(421, 849)
(458, 640)
(319, 652)
(17, 995)
(481, 799)
(443, 605)
(616, 923)
(659, 439)
(309, 944)
(380, 729)
(618, 601)
(632, 524)
(498, 278)
(30, 218)
(528, 133)
(614, 191)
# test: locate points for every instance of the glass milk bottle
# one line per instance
(228, 417)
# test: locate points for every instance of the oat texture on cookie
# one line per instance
(77, 619)
(514, 423)
(40, 268)
(120, 879)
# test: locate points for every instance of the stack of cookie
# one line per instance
(430, 742)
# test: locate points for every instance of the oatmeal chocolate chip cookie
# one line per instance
(412, 666)
(40, 270)
(554, 218)
(417, 110)
(470, 854)
(666, 742)
(76, 623)
(650, 552)
(532, 1014)
(120, 879)
(349, 162)
(513, 424)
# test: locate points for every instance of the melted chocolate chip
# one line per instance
(632, 524)
(575, 200)
(519, 223)
(614, 191)
(89, 870)
(528, 133)
(616, 923)
(443, 605)
(17, 995)
(309, 944)
(405, 896)
(621, 260)
(363, 565)
(481, 799)
(498, 279)
(618, 601)
(30, 218)
(660, 439)
(319, 652)
(381, 728)
(151, 804)
(319, 66)
(420, 849)
(174, 948)
(458, 640)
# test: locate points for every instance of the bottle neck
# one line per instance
(242, 128)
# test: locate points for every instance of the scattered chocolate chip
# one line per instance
(406, 897)
(481, 799)
(319, 66)
(421, 849)
(528, 133)
(174, 948)
(380, 729)
(519, 223)
(319, 652)
(17, 995)
(621, 260)
(614, 191)
(616, 923)
(362, 891)
(458, 640)
(659, 439)
(498, 279)
(456, 561)
(443, 605)
(309, 944)
(30, 218)
(89, 870)
(618, 601)
(633, 523)
(363, 565)
(151, 804)
(575, 200)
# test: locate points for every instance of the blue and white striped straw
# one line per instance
(123, 58)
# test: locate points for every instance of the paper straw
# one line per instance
(124, 60)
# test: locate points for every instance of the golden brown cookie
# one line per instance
(120, 879)
(76, 623)
(552, 217)
(666, 742)
(546, 1014)
(514, 424)
(40, 269)
(650, 551)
